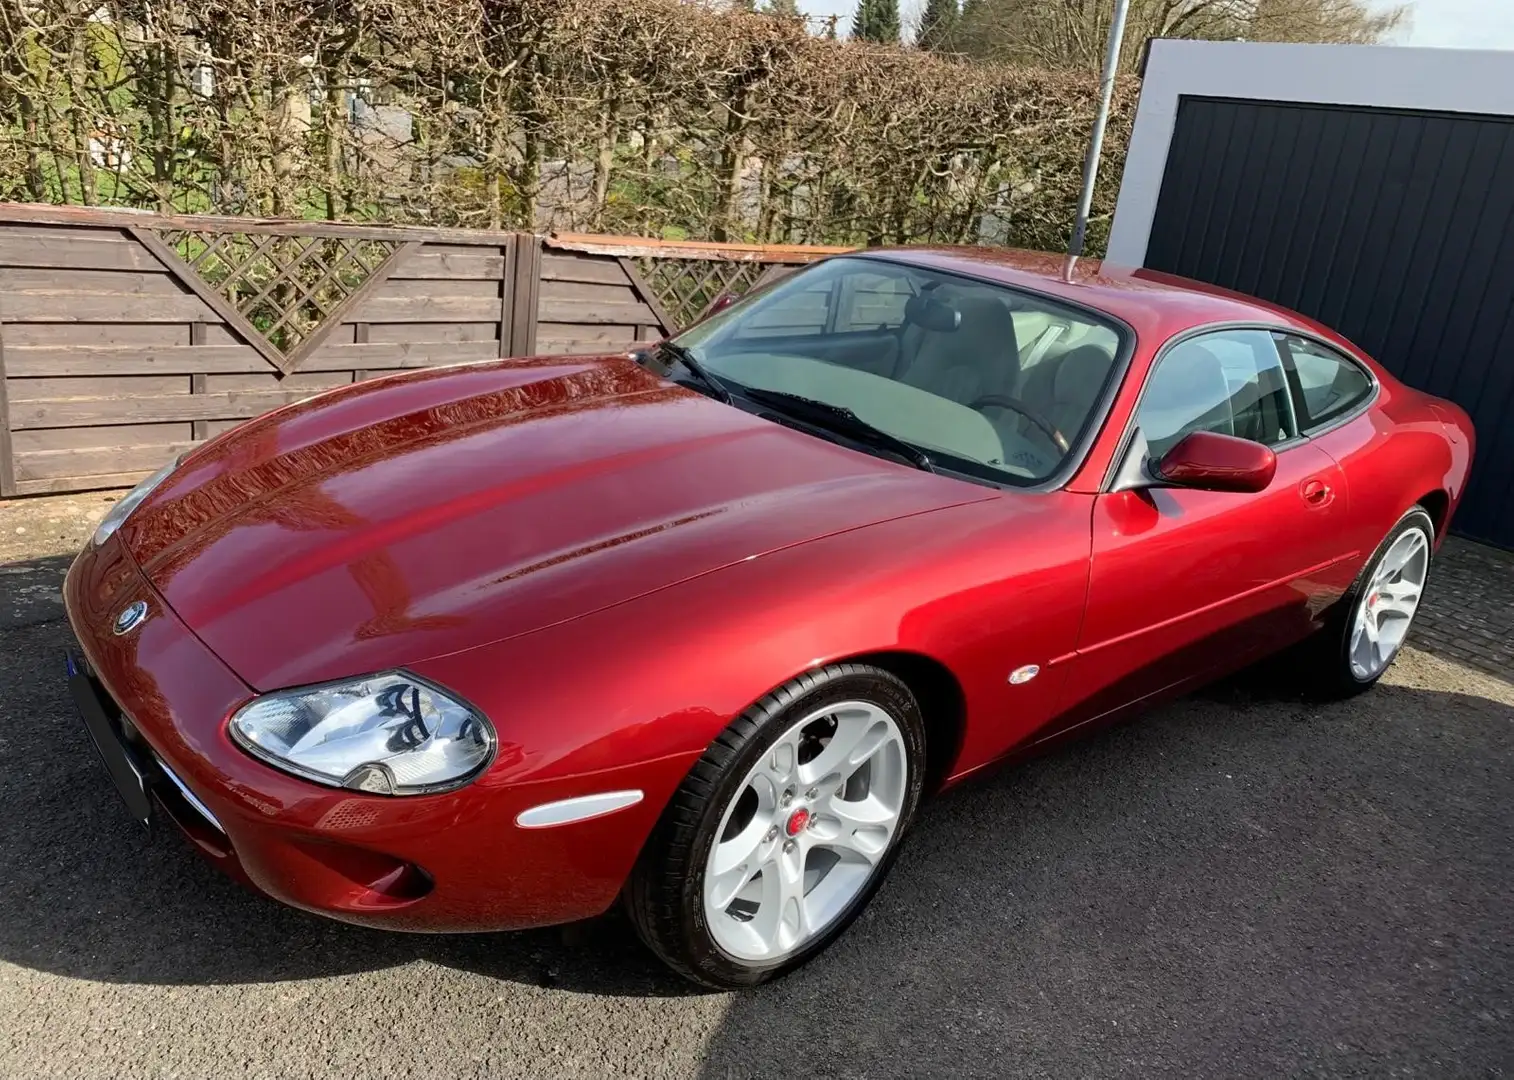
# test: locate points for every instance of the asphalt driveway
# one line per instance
(1240, 885)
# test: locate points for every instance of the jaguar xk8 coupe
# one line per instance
(697, 628)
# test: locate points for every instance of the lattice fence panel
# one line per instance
(687, 287)
(286, 287)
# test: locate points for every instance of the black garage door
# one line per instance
(1392, 227)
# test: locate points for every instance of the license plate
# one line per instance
(96, 709)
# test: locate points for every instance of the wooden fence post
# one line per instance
(7, 458)
(527, 294)
(507, 287)
(199, 383)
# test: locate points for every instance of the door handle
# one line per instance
(1316, 492)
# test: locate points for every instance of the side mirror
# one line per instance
(1211, 462)
(642, 351)
(719, 304)
(723, 301)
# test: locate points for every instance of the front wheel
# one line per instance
(784, 829)
(1374, 617)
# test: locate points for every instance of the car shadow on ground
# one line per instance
(1244, 882)
(1240, 874)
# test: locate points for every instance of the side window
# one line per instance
(872, 302)
(834, 305)
(1330, 384)
(1230, 382)
(796, 313)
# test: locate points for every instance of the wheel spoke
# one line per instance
(1390, 635)
(735, 862)
(1363, 649)
(857, 737)
(1407, 548)
(855, 827)
(781, 921)
(721, 890)
(739, 849)
(1399, 596)
(781, 763)
(1374, 644)
(1394, 561)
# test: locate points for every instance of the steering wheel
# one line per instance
(1004, 401)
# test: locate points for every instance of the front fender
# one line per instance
(981, 588)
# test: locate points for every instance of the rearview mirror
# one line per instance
(1211, 462)
(931, 314)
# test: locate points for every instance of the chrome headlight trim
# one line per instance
(350, 780)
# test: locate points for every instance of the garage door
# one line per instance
(1393, 227)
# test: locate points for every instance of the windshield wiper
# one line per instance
(840, 421)
(701, 373)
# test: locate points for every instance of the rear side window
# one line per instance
(1230, 382)
(1329, 384)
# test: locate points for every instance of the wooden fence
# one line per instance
(127, 337)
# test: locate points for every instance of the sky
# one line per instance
(1456, 24)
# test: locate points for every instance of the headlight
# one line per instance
(130, 501)
(390, 734)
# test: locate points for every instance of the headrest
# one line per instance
(932, 314)
(1187, 371)
(1081, 371)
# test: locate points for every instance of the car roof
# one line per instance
(1154, 304)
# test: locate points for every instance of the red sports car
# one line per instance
(698, 628)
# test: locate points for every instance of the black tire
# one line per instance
(664, 896)
(1326, 656)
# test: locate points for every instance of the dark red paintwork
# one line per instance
(611, 567)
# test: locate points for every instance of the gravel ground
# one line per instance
(1239, 885)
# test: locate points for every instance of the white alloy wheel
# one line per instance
(805, 832)
(1387, 605)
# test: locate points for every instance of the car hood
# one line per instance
(390, 522)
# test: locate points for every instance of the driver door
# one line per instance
(1188, 584)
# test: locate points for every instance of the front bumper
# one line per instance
(156, 701)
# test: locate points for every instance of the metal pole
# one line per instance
(1096, 144)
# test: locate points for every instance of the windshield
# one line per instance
(986, 380)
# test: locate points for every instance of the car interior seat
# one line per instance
(1187, 392)
(979, 358)
(1063, 389)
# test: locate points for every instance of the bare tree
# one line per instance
(1071, 33)
(661, 117)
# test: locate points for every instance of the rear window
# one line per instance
(1329, 384)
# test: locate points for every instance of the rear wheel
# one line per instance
(784, 829)
(1374, 617)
